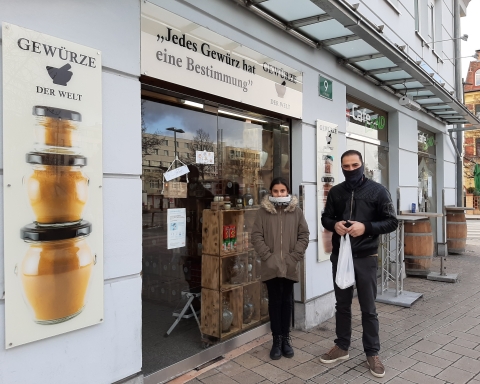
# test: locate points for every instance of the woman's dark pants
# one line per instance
(280, 304)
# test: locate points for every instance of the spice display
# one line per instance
(226, 238)
(233, 238)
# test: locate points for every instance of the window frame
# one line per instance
(477, 78)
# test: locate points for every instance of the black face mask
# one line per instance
(354, 178)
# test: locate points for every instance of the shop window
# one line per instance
(366, 120)
(416, 6)
(247, 156)
(477, 146)
(426, 142)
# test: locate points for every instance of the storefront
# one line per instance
(226, 103)
(196, 295)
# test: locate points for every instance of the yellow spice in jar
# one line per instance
(55, 277)
(57, 193)
(57, 132)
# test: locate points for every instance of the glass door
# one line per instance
(247, 155)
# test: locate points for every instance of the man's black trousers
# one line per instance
(366, 284)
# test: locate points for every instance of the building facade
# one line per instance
(472, 140)
(265, 88)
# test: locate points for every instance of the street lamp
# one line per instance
(175, 130)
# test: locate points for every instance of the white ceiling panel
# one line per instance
(291, 10)
(353, 49)
(325, 30)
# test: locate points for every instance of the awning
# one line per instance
(360, 45)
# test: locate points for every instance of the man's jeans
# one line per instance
(366, 284)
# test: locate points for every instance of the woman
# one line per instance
(280, 237)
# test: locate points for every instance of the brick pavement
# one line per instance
(435, 341)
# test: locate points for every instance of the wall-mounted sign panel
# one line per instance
(52, 185)
(325, 87)
(181, 52)
(328, 167)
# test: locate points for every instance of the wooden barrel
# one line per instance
(418, 249)
(456, 231)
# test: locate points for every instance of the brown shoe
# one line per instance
(333, 355)
(376, 367)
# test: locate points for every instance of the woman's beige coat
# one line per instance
(280, 237)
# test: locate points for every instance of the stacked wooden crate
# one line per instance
(217, 262)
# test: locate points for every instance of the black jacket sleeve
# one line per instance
(328, 216)
(387, 221)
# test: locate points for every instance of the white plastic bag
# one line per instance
(345, 273)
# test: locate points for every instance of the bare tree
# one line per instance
(150, 141)
(201, 142)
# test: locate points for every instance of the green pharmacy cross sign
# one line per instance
(325, 87)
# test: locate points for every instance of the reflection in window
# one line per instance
(246, 158)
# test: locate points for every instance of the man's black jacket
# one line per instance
(370, 204)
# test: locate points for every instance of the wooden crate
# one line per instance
(216, 271)
(254, 290)
(212, 232)
(212, 309)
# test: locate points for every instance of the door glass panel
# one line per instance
(247, 156)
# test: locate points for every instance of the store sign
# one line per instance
(328, 167)
(425, 141)
(181, 52)
(365, 116)
(52, 185)
(325, 87)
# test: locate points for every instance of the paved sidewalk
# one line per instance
(435, 341)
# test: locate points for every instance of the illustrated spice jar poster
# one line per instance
(53, 178)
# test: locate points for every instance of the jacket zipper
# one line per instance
(281, 238)
(351, 206)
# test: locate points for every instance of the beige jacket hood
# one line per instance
(280, 237)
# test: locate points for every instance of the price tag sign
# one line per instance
(177, 172)
(325, 87)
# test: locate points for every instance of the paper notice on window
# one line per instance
(204, 157)
(430, 186)
(177, 172)
(176, 228)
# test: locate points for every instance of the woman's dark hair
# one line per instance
(279, 180)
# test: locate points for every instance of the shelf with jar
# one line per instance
(225, 314)
(221, 231)
(224, 273)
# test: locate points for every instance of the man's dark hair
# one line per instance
(280, 180)
(351, 152)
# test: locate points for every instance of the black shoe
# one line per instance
(287, 349)
(276, 352)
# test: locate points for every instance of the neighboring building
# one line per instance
(471, 98)
(280, 88)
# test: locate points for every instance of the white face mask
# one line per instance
(280, 200)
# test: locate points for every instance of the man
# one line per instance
(363, 209)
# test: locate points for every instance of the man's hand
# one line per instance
(340, 228)
(356, 229)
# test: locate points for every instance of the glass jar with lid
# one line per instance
(56, 271)
(57, 188)
(56, 130)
